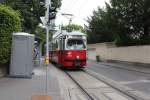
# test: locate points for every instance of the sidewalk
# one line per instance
(138, 68)
(23, 89)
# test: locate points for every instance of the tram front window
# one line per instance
(77, 44)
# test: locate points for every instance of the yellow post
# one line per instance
(46, 60)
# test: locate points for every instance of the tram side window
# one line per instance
(63, 43)
(51, 46)
(60, 46)
(55, 46)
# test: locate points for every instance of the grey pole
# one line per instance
(47, 5)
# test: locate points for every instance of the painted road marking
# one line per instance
(40, 97)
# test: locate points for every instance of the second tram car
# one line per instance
(68, 49)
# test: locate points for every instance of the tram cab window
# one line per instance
(76, 44)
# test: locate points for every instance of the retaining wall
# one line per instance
(107, 51)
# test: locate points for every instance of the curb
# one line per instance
(137, 95)
(118, 66)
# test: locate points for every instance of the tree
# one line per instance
(9, 22)
(134, 17)
(73, 27)
(126, 21)
(101, 25)
(56, 3)
(31, 10)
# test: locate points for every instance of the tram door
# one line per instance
(62, 48)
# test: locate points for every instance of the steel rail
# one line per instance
(96, 77)
(81, 88)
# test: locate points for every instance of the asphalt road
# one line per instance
(135, 80)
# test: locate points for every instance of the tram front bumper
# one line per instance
(76, 63)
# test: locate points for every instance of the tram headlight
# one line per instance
(69, 54)
(77, 57)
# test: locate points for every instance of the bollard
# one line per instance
(46, 60)
(97, 58)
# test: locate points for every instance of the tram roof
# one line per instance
(64, 32)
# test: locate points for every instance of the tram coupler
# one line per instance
(77, 65)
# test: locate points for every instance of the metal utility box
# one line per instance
(22, 55)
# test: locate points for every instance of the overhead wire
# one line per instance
(68, 6)
(80, 8)
(74, 4)
(72, 7)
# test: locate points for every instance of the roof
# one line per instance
(23, 34)
(64, 32)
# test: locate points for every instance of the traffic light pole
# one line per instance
(47, 5)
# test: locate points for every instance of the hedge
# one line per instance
(9, 22)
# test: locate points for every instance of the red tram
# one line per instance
(68, 49)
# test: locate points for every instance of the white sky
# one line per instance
(81, 9)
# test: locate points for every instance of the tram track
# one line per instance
(89, 95)
(80, 87)
(83, 90)
(112, 86)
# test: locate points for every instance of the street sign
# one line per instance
(43, 20)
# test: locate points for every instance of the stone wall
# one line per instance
(107, 51)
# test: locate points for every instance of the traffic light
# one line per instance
(52, 13)
(52, 9)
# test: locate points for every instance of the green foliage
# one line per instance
(56, 3)
(73, 27)
(40, 33)
(133, 15)
(31, 11)
(126, 21)
(9, 22)
(101, 27)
